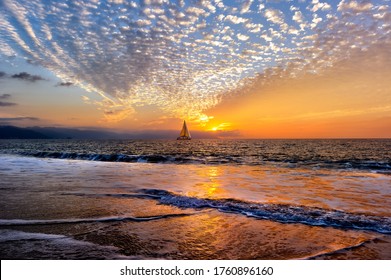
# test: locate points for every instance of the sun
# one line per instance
(220, 127)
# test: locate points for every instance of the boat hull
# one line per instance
(183, 138)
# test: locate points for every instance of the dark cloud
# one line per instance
(27, 77)
(19, 119)
(6, 104)
(5, 96)
(64, 84)
(2, 74)
(32, 62)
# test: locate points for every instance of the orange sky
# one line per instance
(351, 99)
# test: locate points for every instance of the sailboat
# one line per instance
(185, 134)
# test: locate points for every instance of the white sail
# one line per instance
(185, 134)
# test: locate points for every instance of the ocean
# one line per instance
(198, 199)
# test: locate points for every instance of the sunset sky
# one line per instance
(238, 68)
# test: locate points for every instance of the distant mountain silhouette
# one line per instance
(74, 133)
(13, 132)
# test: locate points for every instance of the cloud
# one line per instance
(2, 74)
(64, 84)
(235, 19)
(19, 119)
(320, 6)
(355, 6)
(183, 59)
(298, 17)
(5, 103)
(246, 6)
(243, 37)
(195, 10)
(315, 21)
(117, 114)
(5, 96)
(27, 77)
(274, 15)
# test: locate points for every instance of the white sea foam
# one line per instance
(14, 235)
(52, 246)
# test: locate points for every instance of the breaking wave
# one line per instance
(278, 212)
(369, 165)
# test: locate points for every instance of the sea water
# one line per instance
(198, 199)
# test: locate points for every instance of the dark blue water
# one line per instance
(363, 154)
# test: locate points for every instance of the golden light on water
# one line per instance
(210, 184)
(214, 186)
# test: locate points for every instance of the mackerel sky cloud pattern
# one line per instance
(184, 56)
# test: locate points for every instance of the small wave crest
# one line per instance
(357, 164)
(101, 157)
(278, 212)
(20, 222)
(152, 158)
(340, 249)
